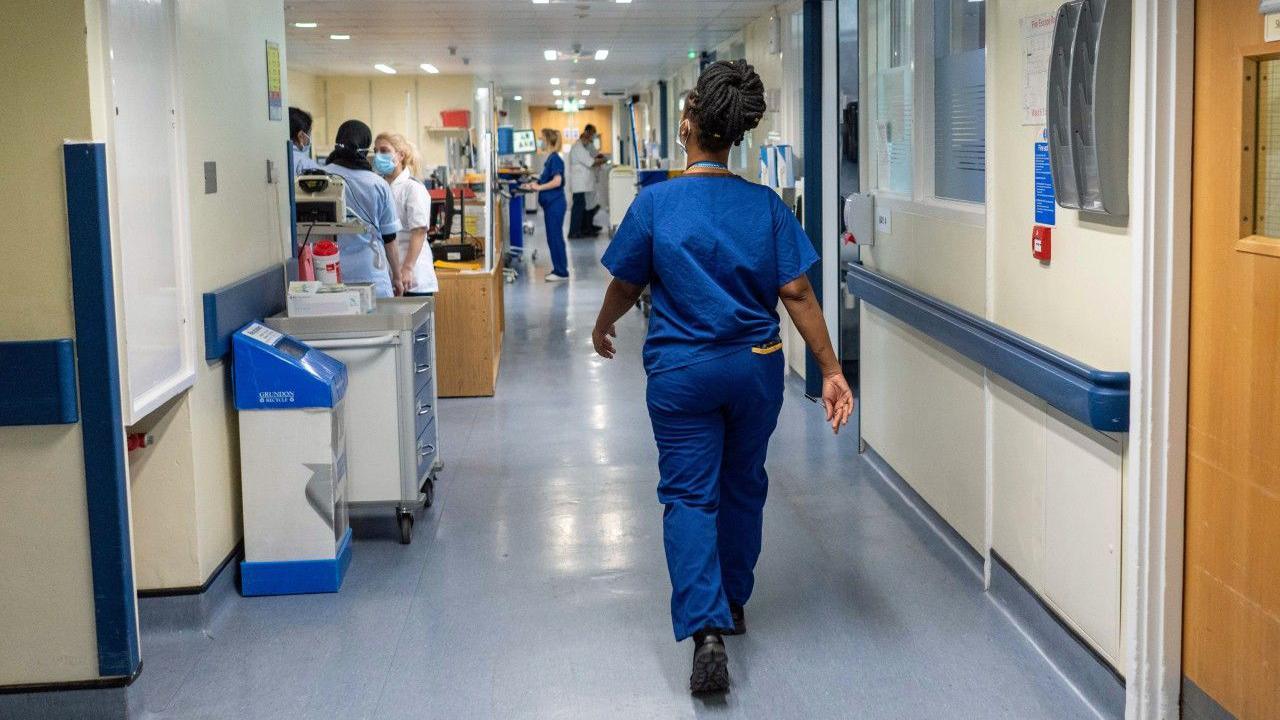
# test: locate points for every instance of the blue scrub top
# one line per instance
(715, 250)
(553, 167)
(302, 161)
(363, 257)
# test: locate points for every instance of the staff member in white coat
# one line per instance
(396, 159)
(584, 158)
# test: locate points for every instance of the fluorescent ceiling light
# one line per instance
(385, 68)
(339, 37)
(428, 67)
(623, 2)
(307, 25)
(585, 93)
(591, 81)
(555, 81)
(557, 93)
(518, 98)
(602, 54)
(550, 54)
(541, 2)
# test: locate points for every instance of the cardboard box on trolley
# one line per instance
(293, 460)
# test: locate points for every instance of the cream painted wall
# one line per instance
(186, 488)
(46, 599)
(402, 103)
(1056, 485)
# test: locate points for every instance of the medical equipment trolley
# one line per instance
(393, 438)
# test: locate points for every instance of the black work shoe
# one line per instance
(710, 663)
(739, 615)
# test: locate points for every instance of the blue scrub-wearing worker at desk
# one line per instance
(550, 189)
(718, 253)
(300, 141)
(370, 257)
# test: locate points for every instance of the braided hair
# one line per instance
(727, 102)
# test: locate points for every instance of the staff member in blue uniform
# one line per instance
(370, 257)
(718, 252)
(300, 141)
(550, 189)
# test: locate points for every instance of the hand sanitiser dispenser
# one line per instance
(293, 464)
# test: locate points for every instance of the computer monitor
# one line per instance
(524, 142)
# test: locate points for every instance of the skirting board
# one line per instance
(1197, 705)
(1091, 677)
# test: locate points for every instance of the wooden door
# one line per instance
(1231, 627)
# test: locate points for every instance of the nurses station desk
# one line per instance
(469, 324)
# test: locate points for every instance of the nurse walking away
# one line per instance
(550, 189)
(396, 160)
(370, 257)
(718, 253)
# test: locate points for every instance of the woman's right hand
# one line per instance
(837, 398)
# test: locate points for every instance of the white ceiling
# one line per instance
(505, 39)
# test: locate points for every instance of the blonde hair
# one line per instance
(407, 150)
(553, 139)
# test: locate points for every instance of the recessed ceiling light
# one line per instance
(339, 37)
(550, 54)
(591, 81)
(557, 93)
(518, 98)
(385, 68)
(585, 93)
(306, 25)
(428, 67)
(623, 2)
(541, 2)
(602, 54)
(555, 81)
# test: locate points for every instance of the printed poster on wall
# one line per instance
(275, 95)
(1037, 48)
(1046, 198)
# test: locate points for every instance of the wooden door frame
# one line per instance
(1162, 93)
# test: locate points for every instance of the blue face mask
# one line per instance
(383, 163)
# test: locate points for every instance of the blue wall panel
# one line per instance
(38, 382)
(230, 308)
(101, 421)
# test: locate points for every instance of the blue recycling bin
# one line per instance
(293, 464)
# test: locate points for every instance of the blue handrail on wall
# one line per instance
(231, 307)
(38, 383)
(1098, 398)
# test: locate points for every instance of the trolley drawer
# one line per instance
(422, 343)
(424, 411)
(426, 450)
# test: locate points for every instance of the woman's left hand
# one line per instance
(600, 338)
(530, 187)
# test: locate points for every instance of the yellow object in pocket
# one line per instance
(767, 348)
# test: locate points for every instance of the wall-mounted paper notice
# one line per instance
(1037, 47)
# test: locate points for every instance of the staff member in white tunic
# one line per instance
(584, 158)
(396, 159)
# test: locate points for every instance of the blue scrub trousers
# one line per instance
(712, 422)
(553, 215)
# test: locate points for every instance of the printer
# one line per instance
(320, 197)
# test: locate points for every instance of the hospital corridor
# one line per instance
(875, 359)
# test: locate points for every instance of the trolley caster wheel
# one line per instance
(406, 528)
(429, 491)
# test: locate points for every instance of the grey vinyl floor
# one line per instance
(536, 586)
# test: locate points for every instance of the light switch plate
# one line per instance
(884, 221)
(210, 178)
